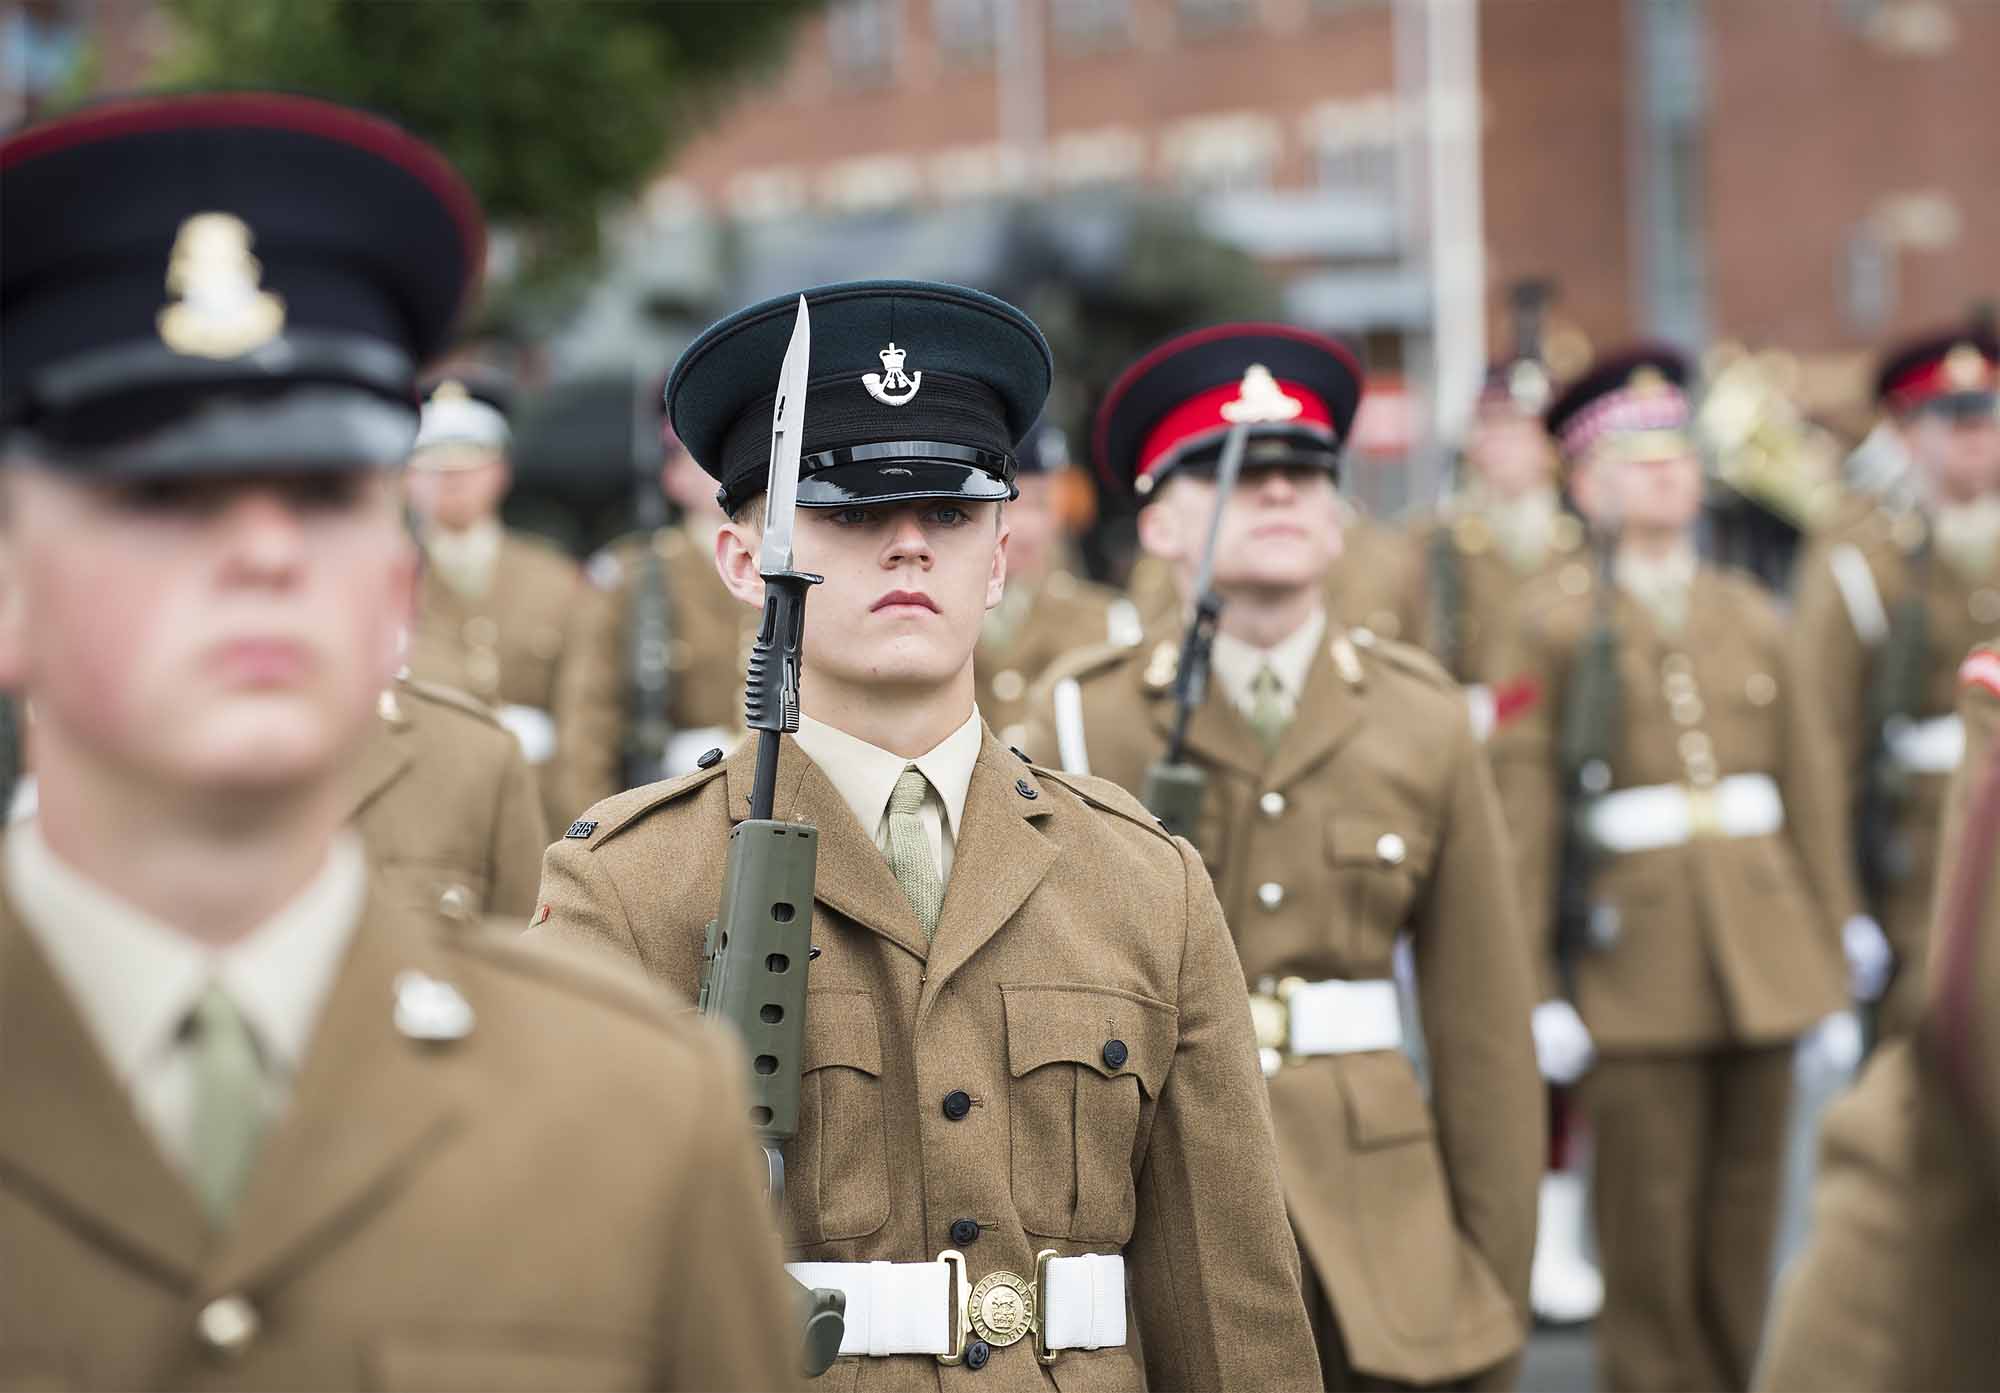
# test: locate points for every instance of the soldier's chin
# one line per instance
(264, 751)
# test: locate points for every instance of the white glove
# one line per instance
(1829, 1053)
(1870, 960)
(1563, 1050)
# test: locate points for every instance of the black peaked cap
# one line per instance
(1613, 374)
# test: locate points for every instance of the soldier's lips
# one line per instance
(262, 662)
(905, 599)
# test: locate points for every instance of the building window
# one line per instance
(1091, 23)
(1229, 153)
(862, 38)
(1205, 16)
(966, 28)
(1355, 148)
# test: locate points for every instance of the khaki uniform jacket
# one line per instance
(510, 646)
(1069, 921)
(1490, 587)
(709, 632)
(1895, 1289)
(1063, 615)
(564, 1198)
(446, 805)
(1720, 939)
(1376, 817)
(1840, 665)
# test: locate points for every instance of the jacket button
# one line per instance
(957, 1104)
(1115, 1053)
(709, 759)
(1025, 789)
(964, 1231)
(1270, 894)
(227, 1325)
(1272, 804)
(1390, 849)
(976, 1355)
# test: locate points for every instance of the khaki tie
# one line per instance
(228, 1102)
(1268, 716)
(910, 859)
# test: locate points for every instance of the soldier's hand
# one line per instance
(1870, 959)
(1563, 1048)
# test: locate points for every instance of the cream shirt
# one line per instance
(1968, 536)
(1236, 664)
(136, 980)
(465, 560)
(864, 776)
(1521, 526)
(1663, 586)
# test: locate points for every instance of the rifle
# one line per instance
(1175, 788)
(1585, 747)
(649, 630)
(753, 972)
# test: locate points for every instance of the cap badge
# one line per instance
(1261, 400)
(1964, 367)
(222, 311)
(1648, 382)
(451, 389)
(1528, 385)
(892, 386)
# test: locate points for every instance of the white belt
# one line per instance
(1297, 1018)
(909, 1307)
(1926, 747)
(1661, 815)
(533, 727)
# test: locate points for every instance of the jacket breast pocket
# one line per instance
(1087, 1066)
(1377, 864)
(837, 1167)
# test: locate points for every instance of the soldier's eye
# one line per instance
(854, 517)
(949, 515)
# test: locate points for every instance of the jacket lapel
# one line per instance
(1216, 731)
(1327, 714)
(370, 1106)
(1000, 857)
(388, 754)
(70, 1142)
(852, 876)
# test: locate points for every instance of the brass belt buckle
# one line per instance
(1002, 1308)
(955, 1306)
(1704, 813)
(1271, 1018)
(1042, 1350)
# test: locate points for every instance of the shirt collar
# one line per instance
(1237, 663)
(135, 979)
(864, 775)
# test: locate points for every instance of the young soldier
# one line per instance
(1895, 1287)
(1047, 611)
(1711, 865)
(1347, 804)
(447, 807)
(259, 1124)
(1886, 605)
(499, 612)
(1027, 1035)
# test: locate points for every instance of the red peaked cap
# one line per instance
(1939, 369)
(1174, 406)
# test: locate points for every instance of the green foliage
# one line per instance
(549, 107)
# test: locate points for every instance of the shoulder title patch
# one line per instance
(1982, 669)
(580, 829)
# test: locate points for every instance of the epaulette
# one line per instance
(1086, 662)
(439, 694)
(594, 975)
(604, 820)
(1105, 796)
(1405, 657)
(1981, 669)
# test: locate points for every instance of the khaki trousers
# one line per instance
(1690, 1152)
(1338, 1375)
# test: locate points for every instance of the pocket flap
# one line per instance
(1385, 1105)
(1092, 1026)
(1377, 841)
(841, 1030)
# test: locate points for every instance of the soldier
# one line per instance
(1708, 857)
(659, 672)
(499, 612)
(446, 806)
(1895, 1287)
(1027, 1036)
(1047, 610)
(1886, 603)
(1347, 804)
(260, 1125)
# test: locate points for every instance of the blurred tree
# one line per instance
(550, 108)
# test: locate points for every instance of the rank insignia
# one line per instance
(580, 829)
(892, 386)
(222, 310)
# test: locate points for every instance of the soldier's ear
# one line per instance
(736, 544)
(996, 581)
(12, 605)
(1161, 525)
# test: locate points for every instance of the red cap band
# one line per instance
(1964, 369)
(1201, 417)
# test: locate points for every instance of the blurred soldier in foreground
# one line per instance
(1029, 1067)
(658, 676)
(499, 612)
(1895, 1288)
(1347, 803)
(446, 806)
(1887, 604)
(1047, 610)
(260, 1125)
(1696, 931)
